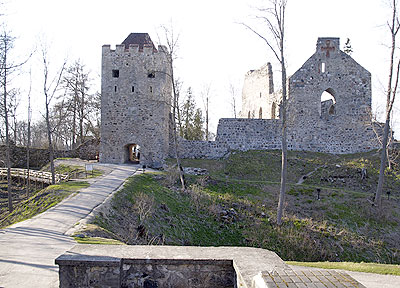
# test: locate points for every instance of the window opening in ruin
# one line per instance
(151, 75)
(260, 113)
(151, 89)
(115, 88)
(328, 104)
(248, 116)
(134, 153)
(323, 67)
(273, 109)
(133, 88)
(115, 73)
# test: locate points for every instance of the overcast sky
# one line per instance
(214, 49)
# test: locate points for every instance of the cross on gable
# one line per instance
(328, 48)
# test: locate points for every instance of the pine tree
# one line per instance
(347, 47)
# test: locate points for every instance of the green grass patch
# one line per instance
(97, 240)
(41, 201)
(236, 205)
(75, 171)
(386, 269)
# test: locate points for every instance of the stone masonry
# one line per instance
(187, 267)
(136, 93)
(258, 98)
(341, 124)
(135, 101)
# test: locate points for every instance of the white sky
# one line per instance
(213, 49)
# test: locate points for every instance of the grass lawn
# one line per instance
(377, 268)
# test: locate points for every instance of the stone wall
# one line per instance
(186, 267)
(164, 266)
(39, 157)
(338, 125)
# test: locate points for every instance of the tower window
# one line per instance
(133, 88)
(151, 89)
(115, 73)
(323, 68)
(115, 88)
(151, 75)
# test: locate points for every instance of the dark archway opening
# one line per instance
(328, 104)
(273, 111)
(133, 153)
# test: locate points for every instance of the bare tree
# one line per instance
(28, 142)
(233, 93)
(394, 26)
(6, 44)
(50, 88)
(76, 85)
(7, 67)
(274, 19)
(205, 95)
(171, 53)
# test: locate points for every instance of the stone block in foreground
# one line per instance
(185, 266)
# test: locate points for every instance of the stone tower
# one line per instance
(135, 102)
(258, 97)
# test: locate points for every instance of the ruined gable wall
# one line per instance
(311, 127)
(134, 107)
(348, 129)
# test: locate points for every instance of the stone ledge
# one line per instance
(186, 266)
(246, 262)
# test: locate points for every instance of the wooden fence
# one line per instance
(34, 175)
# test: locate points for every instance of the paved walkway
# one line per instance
(28, 248)
(369, 280)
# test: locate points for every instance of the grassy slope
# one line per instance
(236, 205)
(41, 201)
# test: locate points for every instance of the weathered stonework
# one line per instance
(136, 93)
(258, 98)
(135, 101)
(186, 267)
(338, 125)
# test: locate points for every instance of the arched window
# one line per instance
(248, 116)
(273, 111)
(260, 113)
(328, 103)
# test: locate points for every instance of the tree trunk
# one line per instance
(6, 123)
(175, 107)
(51, 150)
(282, 192)
(391, 93)
(8, 146)
(207, 119)
(378, 194)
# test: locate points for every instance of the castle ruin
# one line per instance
(136, 97)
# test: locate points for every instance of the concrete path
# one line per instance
(369, 280)
(28, 248)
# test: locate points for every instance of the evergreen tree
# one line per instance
(192, 119)
(347, 47)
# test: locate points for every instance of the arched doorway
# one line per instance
(273, 111)
(328, 104)
(133, 153)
